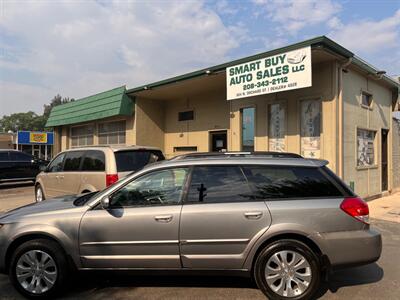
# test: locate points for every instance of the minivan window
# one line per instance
(73, 160)
(133, 160)
(18, 156)
(271, 182)
(56, 164)
(218, 184)
(94, 161)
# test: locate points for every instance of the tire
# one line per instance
(51, 278)
(38, 189)
(273, 257)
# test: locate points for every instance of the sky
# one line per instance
(79, 48)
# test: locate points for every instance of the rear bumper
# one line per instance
(351, 248)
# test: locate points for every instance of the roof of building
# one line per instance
(321, 42)
(103, 105)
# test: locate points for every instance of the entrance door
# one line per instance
(218, 141)
(384, 161)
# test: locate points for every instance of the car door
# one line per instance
(220, 219)
(69, 180)
(6, 167)
(23, 165)
(50, 178)
(140, 228)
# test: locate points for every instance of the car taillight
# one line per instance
(111, 179)
(357, 208)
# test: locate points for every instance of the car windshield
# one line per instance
(134, 160)
(81, 201)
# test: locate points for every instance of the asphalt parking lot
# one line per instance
(380, 280)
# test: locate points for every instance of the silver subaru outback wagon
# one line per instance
(280, 218)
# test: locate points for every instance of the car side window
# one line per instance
(57, 164)
(4, 156)
(20, 157)
(73, 161)
(218, 184)
(164, 187)
(272, 182)
(94, 161)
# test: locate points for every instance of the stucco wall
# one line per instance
(367, 181)
(211, 112)
(396, 154)
(149, 123)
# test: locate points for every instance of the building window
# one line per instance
(185, 149)
(276, 128)
(82, 135)
(186, 115)
(365, 147)
(311, 128)
(248, 128)
(366, 99)
(112, 133)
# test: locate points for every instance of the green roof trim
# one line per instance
(320, 42)
(107, 104)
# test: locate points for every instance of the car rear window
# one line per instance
(133, 160)
(94, 161)
(73, 160)
(272, 182)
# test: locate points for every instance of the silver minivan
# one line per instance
(89, 169)
(280, 218)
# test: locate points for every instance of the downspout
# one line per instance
(342, 67)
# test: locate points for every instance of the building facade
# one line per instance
(314, 98)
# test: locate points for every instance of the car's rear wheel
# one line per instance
(38, 268)
(39, 195)
(287, 269)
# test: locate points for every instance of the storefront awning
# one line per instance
(107, 104)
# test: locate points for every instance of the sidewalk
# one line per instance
(386, 208)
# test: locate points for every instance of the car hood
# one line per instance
(47, 206)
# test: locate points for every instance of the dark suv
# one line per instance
(279, 217)
(19, 166)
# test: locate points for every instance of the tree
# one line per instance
(31, 121)
(22, 121)
(57, 100)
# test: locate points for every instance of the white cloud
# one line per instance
(368, 36)
(79, 48)
(295, 15)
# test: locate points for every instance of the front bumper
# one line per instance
(351, 248)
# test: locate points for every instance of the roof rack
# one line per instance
(259, 154)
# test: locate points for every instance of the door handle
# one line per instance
(61, 176)
(163, 219)
(253, 215)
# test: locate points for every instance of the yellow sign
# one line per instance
(38, 137)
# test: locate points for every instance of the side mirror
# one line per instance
(105, 202)
(43, 168)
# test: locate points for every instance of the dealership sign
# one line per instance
(277, 73)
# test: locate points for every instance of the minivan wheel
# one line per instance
(39, 196)
(287, 269)
(38, 268)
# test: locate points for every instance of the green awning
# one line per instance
(103, 105)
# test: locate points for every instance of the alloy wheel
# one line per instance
(36, 271)
(288, 273)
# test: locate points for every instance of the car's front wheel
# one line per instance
(38, 268)
(39, 195)
(287, 269)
